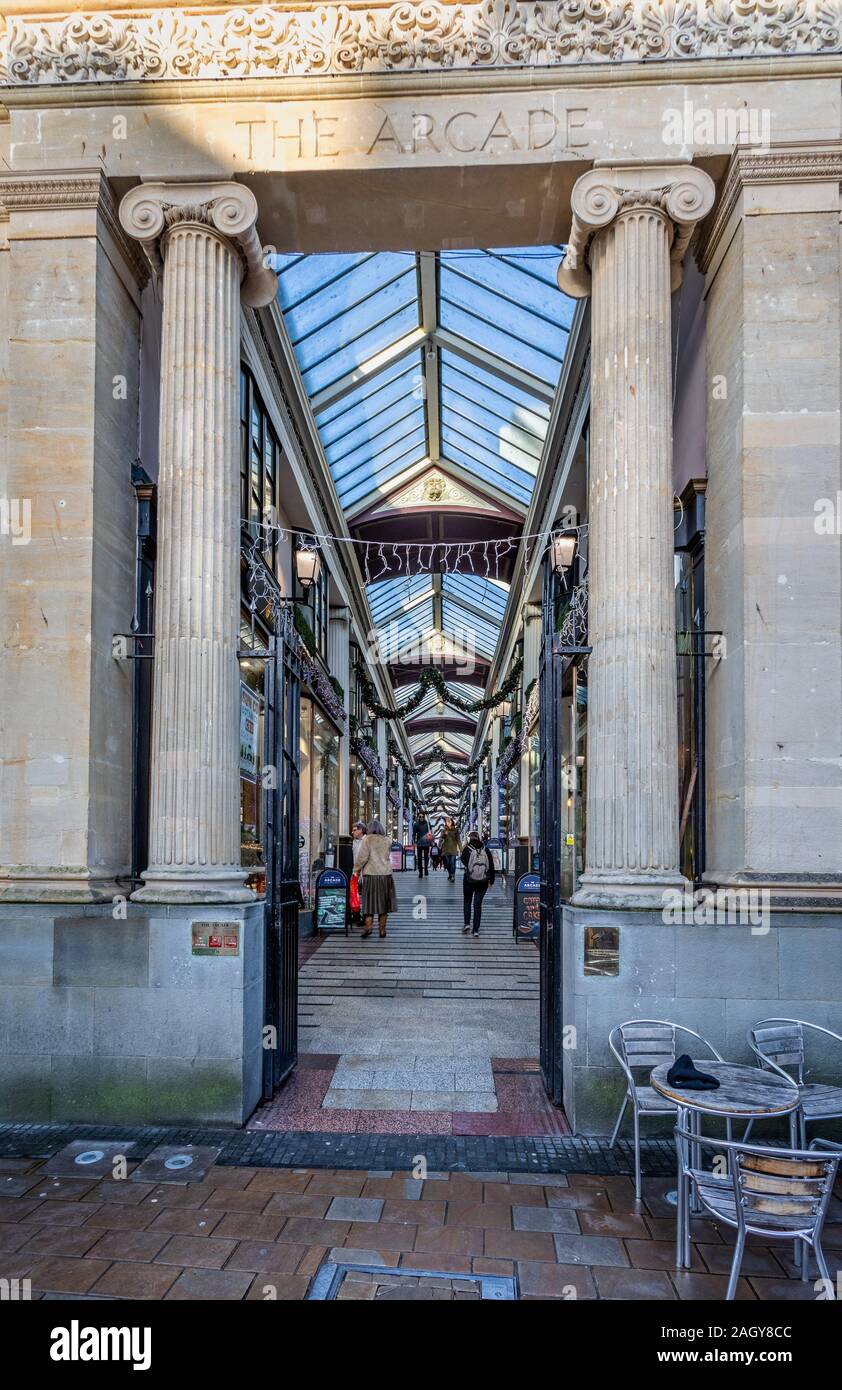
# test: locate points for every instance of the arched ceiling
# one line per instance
(431, 377)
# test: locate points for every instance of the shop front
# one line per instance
(363, 791)
(319, 792)
(251, 715)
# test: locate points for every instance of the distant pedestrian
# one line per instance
(449, 847)
(479, 876)
(357, 832)
(423, 838)
(377, 883)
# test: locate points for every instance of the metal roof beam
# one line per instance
(345, 384)
(481, 357)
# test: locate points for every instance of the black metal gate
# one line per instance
(282, 713)
(549, 727)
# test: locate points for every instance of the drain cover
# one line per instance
(383, 1283)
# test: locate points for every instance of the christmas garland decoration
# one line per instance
(508, 758)
(313, 675)
(368, 758)
(432, 676)
(396, 753)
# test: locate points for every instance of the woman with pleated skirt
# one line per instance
(377, 882)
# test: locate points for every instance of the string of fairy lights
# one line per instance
(380, 560)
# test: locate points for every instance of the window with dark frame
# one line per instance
(260, 453)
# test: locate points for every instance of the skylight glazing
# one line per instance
(453, 358)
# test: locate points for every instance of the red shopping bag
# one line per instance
(355, 893)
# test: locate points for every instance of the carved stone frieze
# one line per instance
(269, 41)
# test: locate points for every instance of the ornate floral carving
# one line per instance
(414, 34)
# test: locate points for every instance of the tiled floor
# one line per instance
(312, 1100)
(402, 1033)
(244, 1233)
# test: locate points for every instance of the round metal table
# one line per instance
(744, 1093)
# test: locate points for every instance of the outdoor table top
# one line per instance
(743, 1091)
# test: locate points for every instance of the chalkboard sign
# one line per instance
(331, 912)
(527, 923)
(409, 857)
(396, 855)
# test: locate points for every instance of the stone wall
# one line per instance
(718, 980)
(72, 349)
(774, 584)
(117, 1021)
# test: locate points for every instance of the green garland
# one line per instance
(399, 758)
(304, 630)
(432, 676)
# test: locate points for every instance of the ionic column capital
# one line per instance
(229, 210)
(681, 193)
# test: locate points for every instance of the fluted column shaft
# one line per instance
(636, 222)
(194, 830)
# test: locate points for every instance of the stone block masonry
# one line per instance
(120, 1021)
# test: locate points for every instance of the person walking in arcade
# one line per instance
(450, 847)
(377, 883)
(479, 876)
(422, 834)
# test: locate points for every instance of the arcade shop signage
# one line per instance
(395, 131)
(216, 938)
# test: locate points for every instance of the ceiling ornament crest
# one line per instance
(435, 489)
(265, 41)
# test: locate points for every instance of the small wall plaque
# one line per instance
(602, 950)
(216, 938)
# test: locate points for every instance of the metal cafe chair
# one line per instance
(779, 1194)
(778, 1043)
(647, 1042)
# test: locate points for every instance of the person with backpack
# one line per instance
(423, 837)
(479, 876)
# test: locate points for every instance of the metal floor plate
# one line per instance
(332, 1274)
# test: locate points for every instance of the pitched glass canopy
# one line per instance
(449, 358)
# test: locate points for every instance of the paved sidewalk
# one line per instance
(246, 1233)
(426, 1029)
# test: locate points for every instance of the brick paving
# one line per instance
(552, 1153)
(251, 1233)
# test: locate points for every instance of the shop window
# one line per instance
(260, 453)
(319, 796)
(251, 761)
(315, 602)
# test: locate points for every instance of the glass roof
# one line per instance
(495, 328)
(451, 357)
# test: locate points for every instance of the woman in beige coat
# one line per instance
(377, 884)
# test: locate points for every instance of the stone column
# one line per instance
(383, 759)
(200, 238)
(631, 227)
(494, 808)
